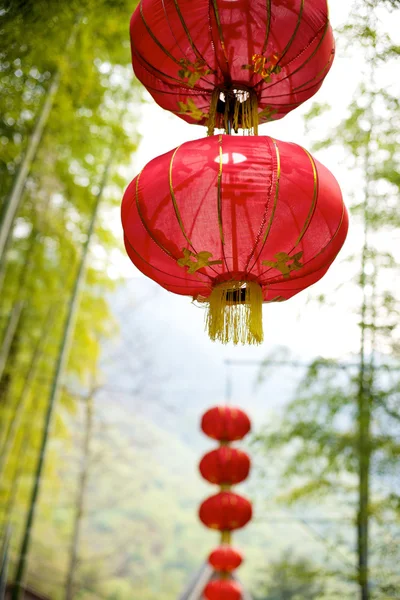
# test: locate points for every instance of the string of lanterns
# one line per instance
(233, 222)
(225, 511)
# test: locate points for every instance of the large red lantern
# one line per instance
(225, 511)
(223, 589)
(225, 559)
(225, 466)
(225, 423)
(214, 61)
(234, 222)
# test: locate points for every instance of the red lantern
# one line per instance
(223, 589)
(225, 466)
(225, 511)
(225, 423)
(248, 62)
(225, 558)
(234, 221)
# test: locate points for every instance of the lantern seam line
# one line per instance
(159, 44)
(150, 233)
(153, 37)
(221, 38)
(295, 104)
(325, 30)
(219, 202)
(320, 74)
(177, 212)
(277, 187)
(289, 44)
(189, 37)
(314, 257)
(164, 272)
(263, 220)
(313, 202)
(178, 82)
(269, 16)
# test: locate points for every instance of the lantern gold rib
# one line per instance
(269, 14)
(326, 29)
(161, 74)
(220, 33)
(293, 37)
(173, 198)
(219, 201)
(166, 52)
(153, 37)
(276, 198)
(320, 74)
(164, 272)
(176, 208)
(189, 37)
(295, 278)
(263, 221)
(294, 104)
(150, 233)
(313, 202)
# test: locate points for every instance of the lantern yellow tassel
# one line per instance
(235, 313)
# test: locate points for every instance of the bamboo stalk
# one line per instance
(80, 499)
(21, 404)
(65, 343)
(15, 197)
(9, 335)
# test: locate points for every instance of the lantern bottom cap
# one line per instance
(235, 313)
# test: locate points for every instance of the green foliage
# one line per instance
(84, 47)
(291, 578)
(338, 438)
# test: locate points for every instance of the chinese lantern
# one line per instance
(223, 589)
(225, 423)
(225, 558)
(234, 222)
(225, 466)
(210, 62)
(225, 511)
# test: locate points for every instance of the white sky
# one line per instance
(307, 329)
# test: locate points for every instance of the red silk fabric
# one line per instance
(225, 466)
(225, 511)
(225, 559)
(221, 589)
(225, 423)
(182, 50)
(236, 208)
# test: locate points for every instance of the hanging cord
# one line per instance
(233, 109)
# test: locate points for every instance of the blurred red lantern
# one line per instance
(225, 511)
(225, 466)
(234, 222)
(248, 62)
(223, 589)
(225, 558)
(225, 423)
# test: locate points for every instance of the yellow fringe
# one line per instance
(212, 114)
(237, 114)
(234, 318)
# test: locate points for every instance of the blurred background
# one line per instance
(104, 376)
